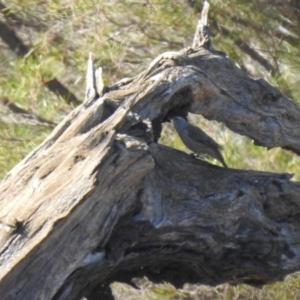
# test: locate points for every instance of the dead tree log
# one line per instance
(101, 201)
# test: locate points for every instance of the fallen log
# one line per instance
(101, 201)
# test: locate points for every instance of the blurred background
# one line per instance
(44, 46)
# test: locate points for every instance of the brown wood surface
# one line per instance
(101, 201)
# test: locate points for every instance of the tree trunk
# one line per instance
(101, 201)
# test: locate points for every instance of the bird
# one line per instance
(197, 140)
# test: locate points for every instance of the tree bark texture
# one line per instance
(100, 200)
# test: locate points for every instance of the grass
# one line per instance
(287, 290)
(17, 142)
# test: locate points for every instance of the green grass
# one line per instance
(287, 290)
(17, 142)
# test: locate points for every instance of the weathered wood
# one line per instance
(100, 200)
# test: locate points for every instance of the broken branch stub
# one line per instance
(101, 201)
(202, 36)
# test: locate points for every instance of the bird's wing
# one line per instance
(199, 135)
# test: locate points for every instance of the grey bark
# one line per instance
(100, 200)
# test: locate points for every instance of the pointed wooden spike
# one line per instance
(90, 80)
(202, 37)
(204, 13)
(90, 72)
(99, 81)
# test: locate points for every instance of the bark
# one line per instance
(100, 200)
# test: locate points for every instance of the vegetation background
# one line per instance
(44, 46)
